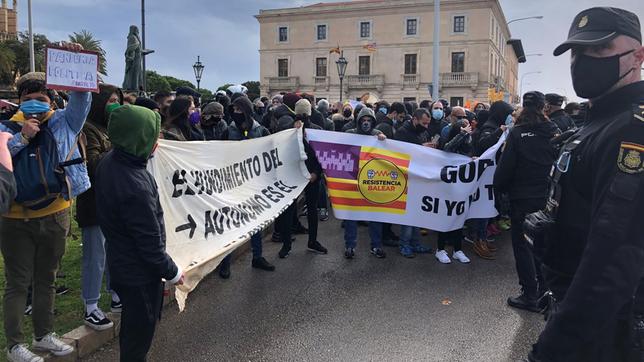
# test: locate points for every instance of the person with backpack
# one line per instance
(33, 232)
(93, 261)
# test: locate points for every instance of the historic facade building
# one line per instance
(389, 48)
(8, 21)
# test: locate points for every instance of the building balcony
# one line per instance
(321, 83)
(410, 81)
(375, 81)
(459, 80)
(284, 83)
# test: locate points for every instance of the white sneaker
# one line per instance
(442, 256)
(51, 343)
(460, 256)
(20, 353)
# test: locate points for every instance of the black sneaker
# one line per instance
(323, 214)
(62, 290)
(316, 247)
(284, 252)
(261, 263)
(116, 307)
(98, 321)
(299, 229)
(224, 270)
(378, 252)
(28, 309)
(349, 253)
(524, 302)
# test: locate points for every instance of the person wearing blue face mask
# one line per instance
(33, 232)
(436, 124)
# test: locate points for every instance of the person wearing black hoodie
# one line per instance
(244, 127)
(311, 193)
(178, 126)
(523, 173)
(490, 133)
(213, 126)
(395, 115)
(366, 121)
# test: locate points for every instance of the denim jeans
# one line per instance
(351, 234)
(409, 235)
(478, 228)
(255, 245)
(93, 264)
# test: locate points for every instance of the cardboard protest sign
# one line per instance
(68, 70)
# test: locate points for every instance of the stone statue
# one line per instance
(133, 61)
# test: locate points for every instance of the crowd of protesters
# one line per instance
(94, 148)
(114, 161)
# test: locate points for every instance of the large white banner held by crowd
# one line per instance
(215, 195)
(401, 183)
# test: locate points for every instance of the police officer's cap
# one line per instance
(534, 99)
(596, 26)
(554, 99)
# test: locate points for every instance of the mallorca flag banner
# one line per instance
(402, 183)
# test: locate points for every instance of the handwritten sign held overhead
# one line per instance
(75, 71)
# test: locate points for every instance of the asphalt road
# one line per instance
(326, 308)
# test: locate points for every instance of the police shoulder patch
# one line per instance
(631, 158)
(638, 112)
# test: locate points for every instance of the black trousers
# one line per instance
(312, 196)
(528, 267)
(284, 224)
(141, 311)
(454, 237)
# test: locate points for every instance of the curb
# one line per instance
(87, 341)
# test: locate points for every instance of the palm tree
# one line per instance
(7, 65)
(87, 40)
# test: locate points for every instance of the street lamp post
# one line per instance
(521, 84)
(198, 68)
(342, 68)
(32, 57)
(526, 18)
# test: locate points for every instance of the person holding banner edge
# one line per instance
(366, 122)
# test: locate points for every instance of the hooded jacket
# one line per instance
(365, 112)
(238, 131)
(218, 129)
(526, 161)
(386, 126)
(130, 215)
(408, 133)
(98, 143)
(562, 120)
(491, 131)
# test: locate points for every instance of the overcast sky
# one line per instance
(226, 35)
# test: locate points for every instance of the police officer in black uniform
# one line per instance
(556, 114)
(595, 251)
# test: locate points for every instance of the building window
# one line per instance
(282, 67)
(412, 26)
(365, 29)
(364, 65)
(458, 62)
(459, 24)
(321, 32)
(410, 63)
(456, 101)
(283, 34)
(320, 67)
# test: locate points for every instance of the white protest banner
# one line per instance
(216, 194)
(402, 183)
(68, 70)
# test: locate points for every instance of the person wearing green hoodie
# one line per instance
(131, 218)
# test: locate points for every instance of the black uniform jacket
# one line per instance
(600, 232)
